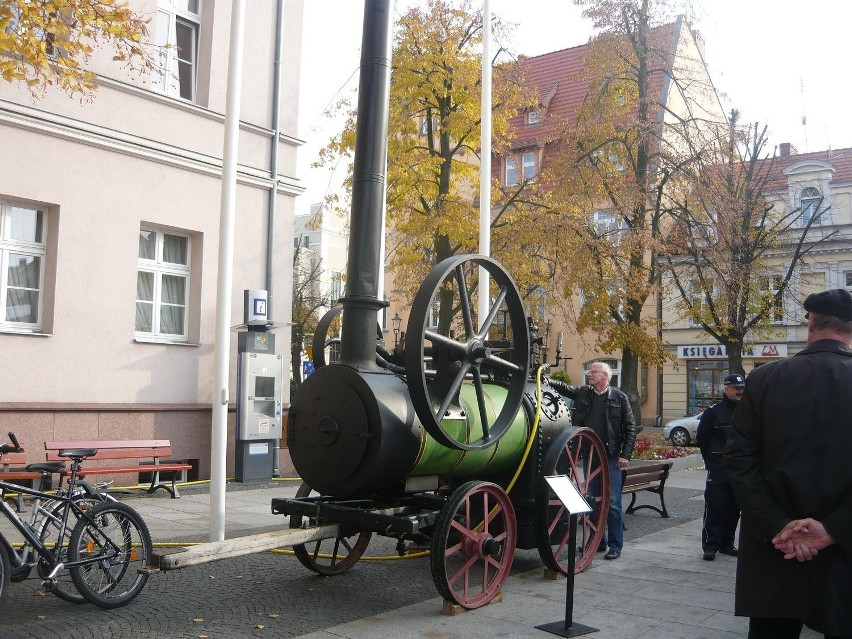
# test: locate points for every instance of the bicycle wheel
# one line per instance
(63, 585)
(5, 570)
(114, 543)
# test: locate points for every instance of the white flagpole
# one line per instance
(485, 163)
(222, 349)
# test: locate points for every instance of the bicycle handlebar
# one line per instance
(14, 447)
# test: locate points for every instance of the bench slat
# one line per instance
(106, 470)
(16, 475)
(93, 443)
(18, 459)
(114, 453)
(643, 478)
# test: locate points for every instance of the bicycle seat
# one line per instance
(47, 467)
(78, 453)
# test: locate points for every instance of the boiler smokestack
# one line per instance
(361, 303)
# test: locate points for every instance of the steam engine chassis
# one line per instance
(424, 444)
(445, 446)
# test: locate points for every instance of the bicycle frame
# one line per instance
(29, 531)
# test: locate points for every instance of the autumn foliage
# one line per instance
(46, 43)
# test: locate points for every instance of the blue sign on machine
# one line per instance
(308, 368)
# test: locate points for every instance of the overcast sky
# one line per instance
(774, 64)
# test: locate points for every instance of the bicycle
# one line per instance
(107, 539)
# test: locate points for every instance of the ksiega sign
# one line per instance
(718, 351)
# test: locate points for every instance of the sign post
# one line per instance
(575, 504)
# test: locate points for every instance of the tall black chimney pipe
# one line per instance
(361, 303)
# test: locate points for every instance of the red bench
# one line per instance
(150, 450)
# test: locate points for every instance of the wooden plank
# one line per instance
(644, 478)
(239, 546)
(18, 459)
(107, 470)
(13, 475)
(119, 443)
(117, 453)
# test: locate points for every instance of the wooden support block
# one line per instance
(452, 609)
(552, 575)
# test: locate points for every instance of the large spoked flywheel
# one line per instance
(446, 346)
(580, 454)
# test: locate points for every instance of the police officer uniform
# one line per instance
(721, 511)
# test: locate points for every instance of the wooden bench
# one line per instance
(646, 476)
(12, 469)
(152, 450)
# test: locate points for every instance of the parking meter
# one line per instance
(260, 384)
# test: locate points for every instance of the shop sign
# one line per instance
(702, 351)
(718, 351)
(766, 350)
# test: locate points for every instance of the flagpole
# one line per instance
(485, 163)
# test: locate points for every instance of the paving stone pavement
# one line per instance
(660, 588)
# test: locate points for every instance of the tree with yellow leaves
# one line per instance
(46, 43)
(434, 134)
(619, 165)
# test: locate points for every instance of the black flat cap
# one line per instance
(837, 302)
(738, 381)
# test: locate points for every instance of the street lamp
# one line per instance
(396, 321)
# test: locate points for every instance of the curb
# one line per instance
(688, 462)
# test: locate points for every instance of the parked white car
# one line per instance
(682, 431)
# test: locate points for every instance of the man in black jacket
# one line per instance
(721, 511)
(606, 410)
(788, 461)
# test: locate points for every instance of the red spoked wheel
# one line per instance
(328, 556)
(578, 453)
(474, 544)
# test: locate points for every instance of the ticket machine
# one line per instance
(260, 384)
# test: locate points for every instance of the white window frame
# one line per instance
(528, 164)
(696, 296)
(337, 286)
(424, 126)
(809, 202)
(770, 284)
(520, 167)
(433, 315)
(534, 117)
(9, 246)
(158, 267)
(170, 14)
(511, 170)
(607, 223)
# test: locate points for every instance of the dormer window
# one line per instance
(533, 117)
(810, 202)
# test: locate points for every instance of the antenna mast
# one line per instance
(804, 117)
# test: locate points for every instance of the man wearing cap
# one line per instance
(721, 511)
(788, 459)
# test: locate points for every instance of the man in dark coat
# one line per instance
(788, 461)
(721, 511)
(606, 410)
